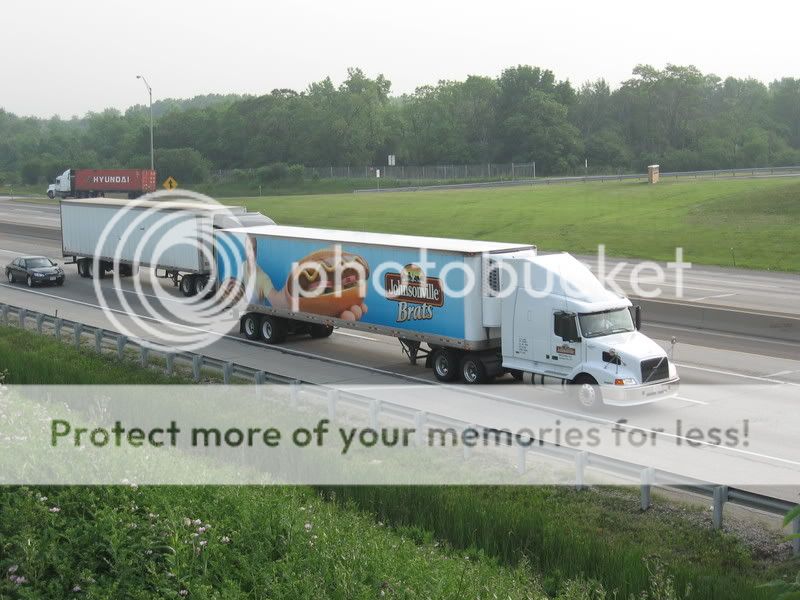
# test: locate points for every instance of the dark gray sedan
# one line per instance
(35, 270)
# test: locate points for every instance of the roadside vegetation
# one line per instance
(745, 223)
(526, 542)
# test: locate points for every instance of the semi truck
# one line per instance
(165, 235)
(472, 310)
(93, 183)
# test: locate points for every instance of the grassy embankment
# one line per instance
(519, 540)
(753, 223)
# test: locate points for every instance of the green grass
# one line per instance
(118, 542)
(599, 534)
(758, 219)
(29, 358)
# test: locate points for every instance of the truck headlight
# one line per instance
(625, 381)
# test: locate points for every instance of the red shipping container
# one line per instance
(115, 180)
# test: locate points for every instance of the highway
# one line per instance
(353, 360)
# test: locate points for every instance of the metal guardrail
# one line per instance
(715, 174)
(647, 477)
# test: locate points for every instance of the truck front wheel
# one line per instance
(51, 194)
(587, 393)
(445, 364)
(473, 371)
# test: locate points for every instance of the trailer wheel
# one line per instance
(251, 324)
(81, 264)
(318, 331)
(273, 329)
(188, 285)
(90, 270)
(445, 364)
(473, 371)
(587, 393)
(125, 270)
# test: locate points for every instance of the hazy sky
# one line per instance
(72, 57)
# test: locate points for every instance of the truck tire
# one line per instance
(126, 270)
(273, 329)
(472, 370)
(318, 331)
(587, 393)
(445, 364)
(188, 285)
(251, 326)
(90, 271)
(81, 264)
(51, 195)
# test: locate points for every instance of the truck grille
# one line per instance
(653, 371)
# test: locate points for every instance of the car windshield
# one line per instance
(35, 263)
(606, 322)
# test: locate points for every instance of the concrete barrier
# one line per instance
(773, 326)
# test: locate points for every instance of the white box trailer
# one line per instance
(482, 308)
(166, 235)
(426, 312)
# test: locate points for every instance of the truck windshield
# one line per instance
(605, 323)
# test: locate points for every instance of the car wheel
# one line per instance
(250, 326)
(60, 282)
(10, 276)
(29, 281)
(587, 393)
(445, 364)
(273, 329)
(320, 331)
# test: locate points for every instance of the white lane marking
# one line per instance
(780, 373)
(710, 297)
(135, 293)
(685, 399)
(356, 335)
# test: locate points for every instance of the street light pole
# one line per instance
(150, 92)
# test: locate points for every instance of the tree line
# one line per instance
(678, 117)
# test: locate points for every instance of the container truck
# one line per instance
(165, 235)
(91, 183)
(473, 310)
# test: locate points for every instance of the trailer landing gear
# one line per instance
(413, 350)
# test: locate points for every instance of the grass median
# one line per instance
(745, 223)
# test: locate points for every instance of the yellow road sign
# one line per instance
(170, 183)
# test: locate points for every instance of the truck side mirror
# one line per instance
(637, 317)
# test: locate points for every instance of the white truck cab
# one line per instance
(557, 321)
(62, 187)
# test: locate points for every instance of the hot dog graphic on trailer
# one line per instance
(327, 282)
